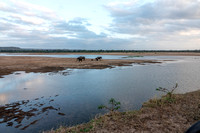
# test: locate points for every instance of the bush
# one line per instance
(114, 105)
(169, 93)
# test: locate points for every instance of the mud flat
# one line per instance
(155, 116)
(10, 64)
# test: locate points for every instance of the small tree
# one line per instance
(114, 105)
(169, 92)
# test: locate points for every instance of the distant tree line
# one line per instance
(19, 50)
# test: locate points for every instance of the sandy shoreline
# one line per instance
(10, 64)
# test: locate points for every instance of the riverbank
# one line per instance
(10, 64)
(156, 115)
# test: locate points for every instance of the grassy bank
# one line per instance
(156, 115)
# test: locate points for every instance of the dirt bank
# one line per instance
(10, 64)
(156, 116)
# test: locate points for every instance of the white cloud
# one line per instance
(190, 33)
(122, 3)
(137, 24)
(28, 19)
(29, 25)
(160, 23)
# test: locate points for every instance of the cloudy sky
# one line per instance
(100, 24)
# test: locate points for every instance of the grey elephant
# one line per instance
(98, 58)
(80, 58)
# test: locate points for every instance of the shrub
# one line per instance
(114, 105)
(169, 93)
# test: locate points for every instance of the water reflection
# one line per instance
(71, 56)
(64, 72)
(14, 114)
(3, 99)
(107, 56)
(72, 96)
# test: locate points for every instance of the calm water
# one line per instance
(74, 56)
(103, 56)
(77, 93)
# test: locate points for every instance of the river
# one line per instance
(72, 96)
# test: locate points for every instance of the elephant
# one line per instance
(98, 58)
(80, 58)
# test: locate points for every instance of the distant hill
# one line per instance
(10, 48)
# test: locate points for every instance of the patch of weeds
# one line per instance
(114, 105)
(133, 112)
(98, 121)
(169, 97)
(153, 103)
(92, 121)
(86, 129)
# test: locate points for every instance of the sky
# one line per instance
(101, 24)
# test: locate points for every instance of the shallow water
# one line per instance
(73, 56)
(103, 56)
(77, 93)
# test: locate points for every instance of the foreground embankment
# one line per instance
(10, 64)
(155, 116)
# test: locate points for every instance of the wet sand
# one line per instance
(10, 64)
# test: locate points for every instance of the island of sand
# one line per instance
(10, 64)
